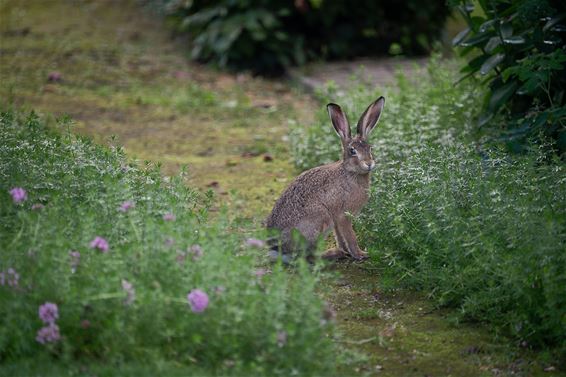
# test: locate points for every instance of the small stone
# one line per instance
(267, 157)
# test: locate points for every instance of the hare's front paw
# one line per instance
(360, 255)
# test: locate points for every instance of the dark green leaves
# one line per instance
(520, 49)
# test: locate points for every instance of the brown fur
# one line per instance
(320, 199)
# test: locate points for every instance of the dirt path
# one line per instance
(115, 70)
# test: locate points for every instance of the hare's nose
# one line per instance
(370, 166)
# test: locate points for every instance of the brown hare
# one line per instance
(320, 199)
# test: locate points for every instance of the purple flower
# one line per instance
(75, 260)
(198, 300)
(126, 206)
(100, 244)
(13, 277)
(54, 76)
(48, 313)
(254, 242)
(130, 292)
(37, 206)
(48, 334)
(169, 217)
(18, 194)
(196, 251)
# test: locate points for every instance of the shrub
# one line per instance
(268, 36)
(117, 250)
(476, 228)
(519, 46)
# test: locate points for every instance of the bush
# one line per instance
(267, 36)
(475, 228)
(122, 299)
(519, 47)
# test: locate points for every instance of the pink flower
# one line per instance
(48, 334)
(254, 242)
(100, 244)
(18, 194)
(48, 313)
(196, 251)
(260, 272)
(11, 276)
(126, 206)
(198, 300)
(54, 76)
(169, 217)
(130, 292)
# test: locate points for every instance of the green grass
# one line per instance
(268, 325)
(450, 214)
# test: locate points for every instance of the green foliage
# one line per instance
(519, 47)
(259, 325)
(267, 36)
(474, 227)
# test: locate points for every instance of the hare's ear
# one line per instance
(369, 118)
(339, 121)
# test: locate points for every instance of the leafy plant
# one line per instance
(519, 47)
(268, 36)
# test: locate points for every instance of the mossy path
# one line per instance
(114, 69)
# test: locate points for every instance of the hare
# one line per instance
(320, 199)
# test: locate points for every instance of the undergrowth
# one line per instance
(108, 264)
(454, 216)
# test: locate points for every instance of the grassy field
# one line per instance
(114, 70)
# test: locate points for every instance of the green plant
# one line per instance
(474, 227)
(519, 47)
(268, 36)
(117, 249)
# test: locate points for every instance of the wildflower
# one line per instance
(219, 289)
(169, 217)
(130, 292)
(169, 241)
(48, 313)
(18, 194)
(75, 260)
(100, 244)
(126, 206)
(260, 272)
(48, 334)
(181, 257)
(196, 251)
(54, 76)
(37, 206)
(281, 338)
(13, 277)
(198, 300)
(254, 242)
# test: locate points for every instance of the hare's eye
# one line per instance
(353, 151)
